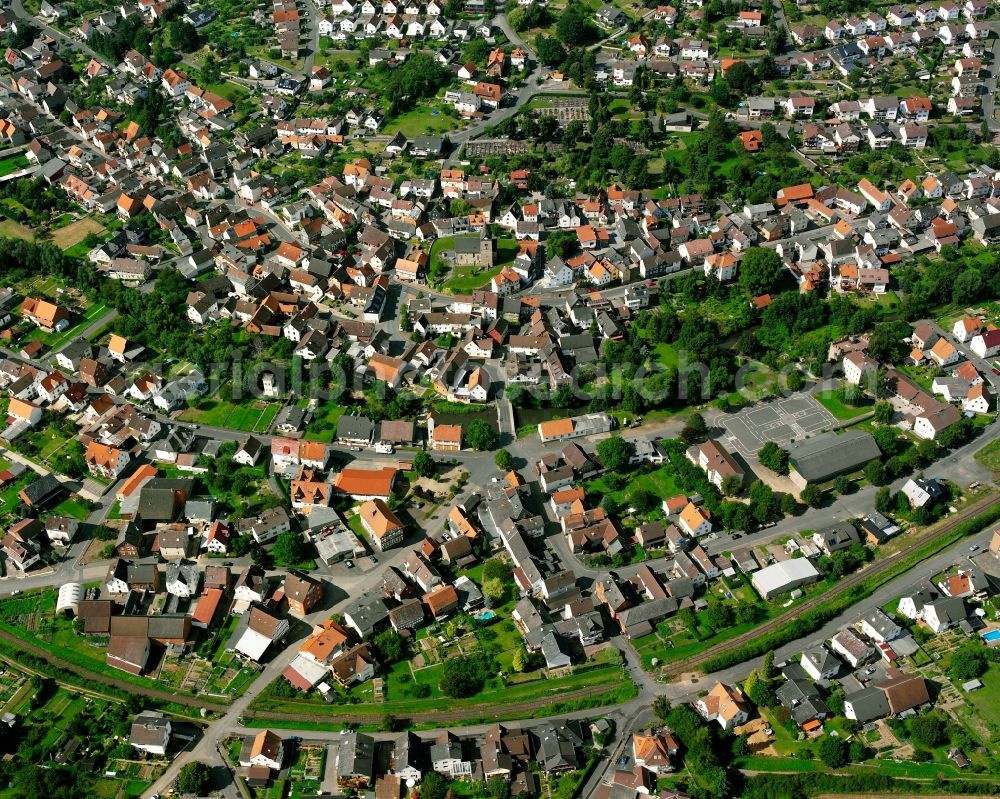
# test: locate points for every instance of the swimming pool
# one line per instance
(486, 615)
(991, 636)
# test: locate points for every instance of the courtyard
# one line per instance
(780, 420)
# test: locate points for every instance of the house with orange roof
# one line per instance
(364, 484)
(794, 194)
(722, 265)
(694, 521)
(652, 751)
(313, 454)
(382, 525)
(47, 315)
(586, 425)
(309, 490)
(104, 461)
(459, 524)
(328, 640)
(117, 347)
(26, 413)
(445, 437)
(441, 601)
(965, 328)
(752, 141)
(943, 353)
(386, 369)
(207, 608)
(724, 704)
(135, 481)
(977, 399)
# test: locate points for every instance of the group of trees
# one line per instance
(773, 457)
(465, 676)
(419, 77)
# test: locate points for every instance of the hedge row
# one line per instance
(813, 619)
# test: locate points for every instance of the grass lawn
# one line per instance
(231, 91)
(13, 163)
(984, 703)
(421, 121)
(660, 481)
(400, 685)
(989, 456)
(665, 354)
(253, 416)
(438, 266)
(73, 508)
(465, 279)
(835, 405)
(56, 340)
(74, 233)
(15, 230)
(323, 425)
(777, 764)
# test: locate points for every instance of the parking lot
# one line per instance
(780, 420)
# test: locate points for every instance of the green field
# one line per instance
(842, 411)
(323, 425)
(660, 481)
(420, 122)
(989, 456)
(56, 340)
(466, 279)
(503, 639)
(253, 416)
(13, 163)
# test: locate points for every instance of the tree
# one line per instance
(494, 592)
(289, 549)
(875, 473)
(719, 615)
(643, 500)
(461, 678)
(760, 270)
(928, 730)
(614, 453)
(520, 660)
(694, 429)
(104, 533)
(433, 786)
(550, 52)
(968, 662)
(773, 457)
(883, 500)
(767, 667)
(842, 484)
(760, 691)
(834, 751)
(811, 495)
(504, 460)
(788, 504)
(573, 27)
(195, 777)
(795, 380)
(496, 568)
(391, 647)
(481, 436)
(883, 412)
(732, 485)
(424, 464)
(661, 707)
(497, 788)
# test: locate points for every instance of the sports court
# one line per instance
(779, 420)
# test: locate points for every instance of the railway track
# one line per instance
(692, 662)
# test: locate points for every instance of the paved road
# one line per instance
(69, 41)
(984, 366)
